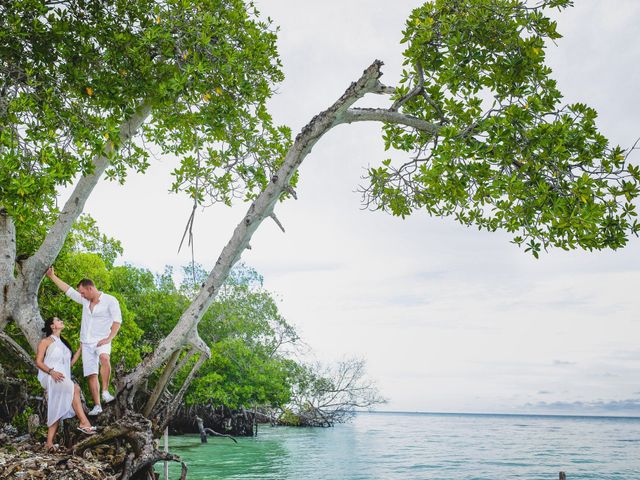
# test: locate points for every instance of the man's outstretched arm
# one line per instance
(68, 291)
(55, 279)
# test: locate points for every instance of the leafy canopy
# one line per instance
(507, 153)
(74, 71)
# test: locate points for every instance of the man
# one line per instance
(101, 319)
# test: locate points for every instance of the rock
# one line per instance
(33, 422)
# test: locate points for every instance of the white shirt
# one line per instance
(96, 325)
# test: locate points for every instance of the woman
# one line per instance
(53, 358)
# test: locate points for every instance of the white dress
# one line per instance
(59, 394)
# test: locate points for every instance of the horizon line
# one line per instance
(566, 415)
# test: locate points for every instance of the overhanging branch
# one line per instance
(260, 209)
(387, 116)
(161, 384)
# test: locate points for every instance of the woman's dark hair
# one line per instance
(48, 331)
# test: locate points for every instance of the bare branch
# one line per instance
(291, 192)
(382, 89)
(167, 373)
(387, 116)
(275, 219)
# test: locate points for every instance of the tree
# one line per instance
(326, 395)
(477, 110)
(83, 80)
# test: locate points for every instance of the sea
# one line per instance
(434, 446)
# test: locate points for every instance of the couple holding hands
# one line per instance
(101, 319)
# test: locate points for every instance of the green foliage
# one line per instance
(243, 328)
(21, 420)
(246, 334)
(507, 155)
(75, 71)
(88, 253)
(154, 298)
(289, 418)
(86, 237)
(237, 375)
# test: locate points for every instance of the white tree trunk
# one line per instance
(7, 265)
(186, 330)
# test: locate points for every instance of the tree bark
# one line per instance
(18, 351)
(26, 313)
(7, 265)
(387, 116)
(167, 373)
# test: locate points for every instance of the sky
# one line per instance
(449, 319)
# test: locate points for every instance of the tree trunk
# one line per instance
(167, 373)
(7, 266)
(261, 208)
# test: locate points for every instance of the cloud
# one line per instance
(563, 363)
(627, 407)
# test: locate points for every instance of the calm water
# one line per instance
(425, 446)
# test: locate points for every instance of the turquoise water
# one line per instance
(425, 446)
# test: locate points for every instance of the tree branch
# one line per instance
(275, 219)
(419, 88)
(7, 266)
(48, 251)
(167, 373)
(170, 408)
(18, 350)
(387, 116)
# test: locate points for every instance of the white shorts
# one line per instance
(91, 357)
